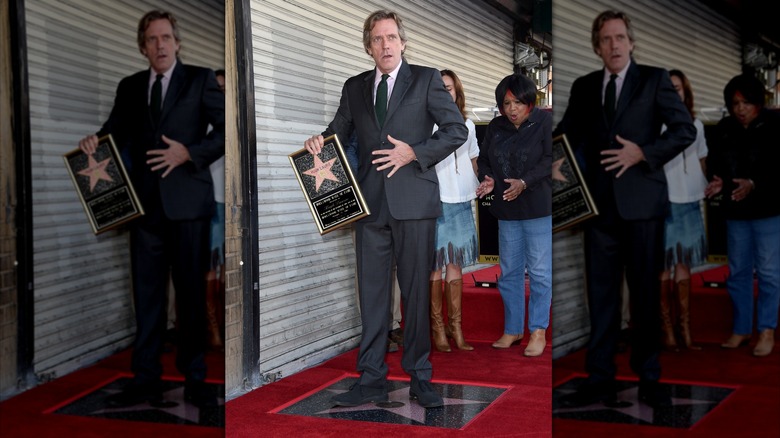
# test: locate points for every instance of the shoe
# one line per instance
(667, 290)
(423, 392)
(590, 393)
(392, 347)
(437, 320)
(453, 290)
(536, 344)
(199, 394)
(397, 336)
(359, 395)
(766, 342)
(684, 301)
(736, 341)
(506, 341)
(654, 395)
(135, 394)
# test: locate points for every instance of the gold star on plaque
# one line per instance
(321, 172)
(96, 171)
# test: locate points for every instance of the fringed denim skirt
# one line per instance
(684, 238)
(456, 236)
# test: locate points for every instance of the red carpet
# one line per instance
(25, 415)
(751, 411)
(522, 411)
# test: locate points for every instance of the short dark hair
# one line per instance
(521, 86)
(147, 19)
(749, 86)
(220, 72)
(378, 16)
(687, 89)
(602, 18)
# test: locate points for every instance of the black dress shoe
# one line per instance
(199, 394)
(590, 393)
(423, 392)
(359, 394)
(653, 394)
(134, 394)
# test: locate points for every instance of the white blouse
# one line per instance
(684, 176)
(457, 181)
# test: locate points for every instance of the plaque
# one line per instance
(329, 187)
(103, 186)
(571, 203)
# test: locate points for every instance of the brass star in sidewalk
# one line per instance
(96, 171)
(321, 172)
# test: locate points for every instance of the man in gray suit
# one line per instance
(393, 109)
(614, 120)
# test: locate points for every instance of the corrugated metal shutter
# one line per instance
(303, 52)
(683, 35)
(77, 52)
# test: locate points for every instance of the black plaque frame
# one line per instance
(572, 202)
(335, 202)
(111, 201)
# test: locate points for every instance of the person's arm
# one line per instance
(680, 132)
(212, 145)
(484, 169)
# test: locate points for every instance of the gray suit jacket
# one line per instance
(419, 101)
(646, 102)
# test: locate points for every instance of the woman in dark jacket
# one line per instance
(515, 165)
(742, 165)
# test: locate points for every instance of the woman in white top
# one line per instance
(685, 243)
(456, 234)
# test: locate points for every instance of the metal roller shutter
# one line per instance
(303, 52)
(684, 35)
(78, 51)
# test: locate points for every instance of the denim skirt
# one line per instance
(456, 236)
(684, 240)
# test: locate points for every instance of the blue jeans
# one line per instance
(754, 244)
(525, 244)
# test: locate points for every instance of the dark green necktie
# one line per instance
(155, 105)
(380, 105)
(609, 98)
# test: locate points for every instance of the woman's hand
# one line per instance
(714, 187)
(516, 186)
(744, 187)
(485, 187)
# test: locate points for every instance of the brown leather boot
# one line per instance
(684, 300)
(670, 343)
(437, 322)
(766, 342)
(212, 307)
(453, 290)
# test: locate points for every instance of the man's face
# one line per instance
(614, 45)
(160, 46)
(386, 45)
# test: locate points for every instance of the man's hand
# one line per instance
(398, 157)
(88, 144)
(485, 187)
(314, 144)
(175, 155)
(516, 187)
(744, 187)
(623, 158)
(714, 187)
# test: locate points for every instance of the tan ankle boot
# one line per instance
(437, 322)
(536, 344)
(684, 301)
(453, 290)
(766, 342)
(669, 342)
